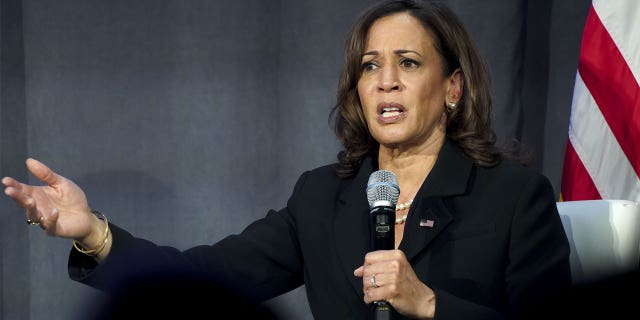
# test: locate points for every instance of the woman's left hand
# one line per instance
(387, 275)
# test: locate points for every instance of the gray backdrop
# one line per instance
(185, 120)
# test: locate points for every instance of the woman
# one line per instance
(478, 236)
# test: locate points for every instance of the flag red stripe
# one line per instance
(612, 85)
(576, 182)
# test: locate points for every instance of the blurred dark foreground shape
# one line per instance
(178, 296)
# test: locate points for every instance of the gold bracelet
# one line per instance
(95, 251)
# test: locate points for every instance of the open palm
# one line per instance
(60, 206)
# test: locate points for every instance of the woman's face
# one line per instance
(402, 88)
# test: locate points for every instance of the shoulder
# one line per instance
(315, 188)
(318, 176)
(324, 172)
(510, 179)
(508, 170)
(323, 184)
(314, 181)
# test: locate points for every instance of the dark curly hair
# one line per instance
(468, 125)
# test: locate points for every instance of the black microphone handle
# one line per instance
(383, 222)
(383, 228)
(382, 310)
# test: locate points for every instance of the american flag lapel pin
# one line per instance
(426, 223)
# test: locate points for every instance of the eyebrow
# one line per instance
(399, 51)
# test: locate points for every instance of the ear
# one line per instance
(456, 84)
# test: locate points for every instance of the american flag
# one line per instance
(602, 158)
(426, 223)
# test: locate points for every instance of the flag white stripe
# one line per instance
(599, 150)
(621, 18)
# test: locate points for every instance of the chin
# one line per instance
(391, 138)
(391, 143)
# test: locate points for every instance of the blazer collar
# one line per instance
(449, 175)
(427, 218)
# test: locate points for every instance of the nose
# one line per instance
(388, 80)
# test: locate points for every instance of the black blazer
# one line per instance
(496, 245)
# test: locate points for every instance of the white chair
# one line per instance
(604, 236)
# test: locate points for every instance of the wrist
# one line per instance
(94, 233)
(94, 243)
(428, 309)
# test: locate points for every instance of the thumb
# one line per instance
(42, 172)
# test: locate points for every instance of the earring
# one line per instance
(451, 106)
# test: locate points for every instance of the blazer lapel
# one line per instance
(351, 224)
(429, 216)
(424, 223)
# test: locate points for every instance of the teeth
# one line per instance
(391, 112)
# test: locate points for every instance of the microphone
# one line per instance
(382, 194)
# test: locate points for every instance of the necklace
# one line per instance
(401, 207)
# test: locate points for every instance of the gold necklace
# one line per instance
(402, 207)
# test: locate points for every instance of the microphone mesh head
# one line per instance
(383, 186)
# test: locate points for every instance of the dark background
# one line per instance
(183, 121)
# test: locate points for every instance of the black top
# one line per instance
(496, 243)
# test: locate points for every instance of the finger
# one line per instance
(372, 281)
(375, 268)
(50, 215)
(21, 199)
(9, 182)
(42, 172)
(33, 214)
(373, 294)
(358, 272)
(381, 255)
(48, 222)
(25, 201)
(378, 256)
(42, 223)
(373, 255)
(54, 215)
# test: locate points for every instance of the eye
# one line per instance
(409, 63)
(368, 66)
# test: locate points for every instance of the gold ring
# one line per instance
(33, 223)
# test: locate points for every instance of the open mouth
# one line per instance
(391, 112)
